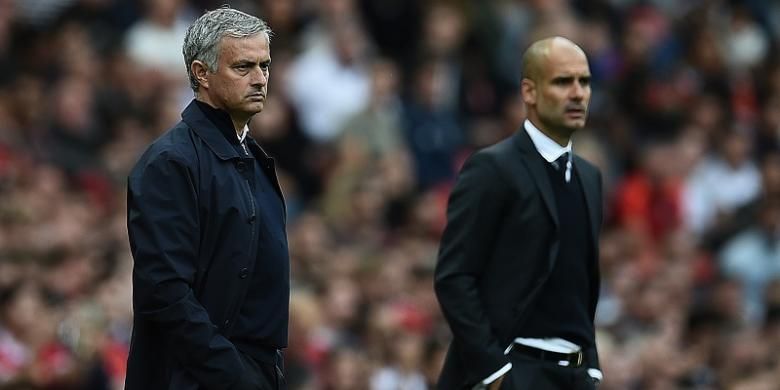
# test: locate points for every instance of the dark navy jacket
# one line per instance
(198, 231)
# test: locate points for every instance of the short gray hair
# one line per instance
(204, 36)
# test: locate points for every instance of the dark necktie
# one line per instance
(560, 165)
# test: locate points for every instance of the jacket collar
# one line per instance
(214, 127)
(535, 164)
(256, 149)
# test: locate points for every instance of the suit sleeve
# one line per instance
(164, 234)
(473, 216)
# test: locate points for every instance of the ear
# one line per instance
(528, 90)
(200, 71)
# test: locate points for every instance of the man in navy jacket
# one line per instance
(206, 220)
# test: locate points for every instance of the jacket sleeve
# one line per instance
(473, 216)
(164, 231)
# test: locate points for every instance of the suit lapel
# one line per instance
(535, 165)
(590, 183)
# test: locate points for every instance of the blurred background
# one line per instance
(373, 106)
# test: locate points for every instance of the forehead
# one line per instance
(565, 61)
(254, 47)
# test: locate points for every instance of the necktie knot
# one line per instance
(561, 164)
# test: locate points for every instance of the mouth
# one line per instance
(575, 111)
(256, 96)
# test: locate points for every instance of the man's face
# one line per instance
(561, 93)
(240, 84)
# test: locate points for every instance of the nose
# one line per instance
(577, 92)
(259, 77)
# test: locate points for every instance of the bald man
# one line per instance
(517, 275)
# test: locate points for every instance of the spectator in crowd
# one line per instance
(432, 129)
(155, 41)
(721, 183)
(330, 82)
(753, 258)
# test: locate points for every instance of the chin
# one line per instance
(254, 108)
(576, 125)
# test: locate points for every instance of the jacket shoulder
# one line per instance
(502, 157)
(175, 144)
(497, 152)
(585, 163)
(586, 166)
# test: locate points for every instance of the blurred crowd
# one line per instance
(373, 105)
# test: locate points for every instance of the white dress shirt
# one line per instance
(244, 132)
(242, 137)
(549, 149)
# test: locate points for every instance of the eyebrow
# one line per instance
(250, 62)
(568, 79)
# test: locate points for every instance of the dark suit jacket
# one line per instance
(497, 251)
(193, 235)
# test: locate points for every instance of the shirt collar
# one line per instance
(244, 132)
(545, 145)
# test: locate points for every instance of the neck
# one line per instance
(239, 125)
(560, 138)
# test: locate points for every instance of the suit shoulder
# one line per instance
(502, 147)
(501, 155)
(491, 164)
(586, 165)
(497, 152)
